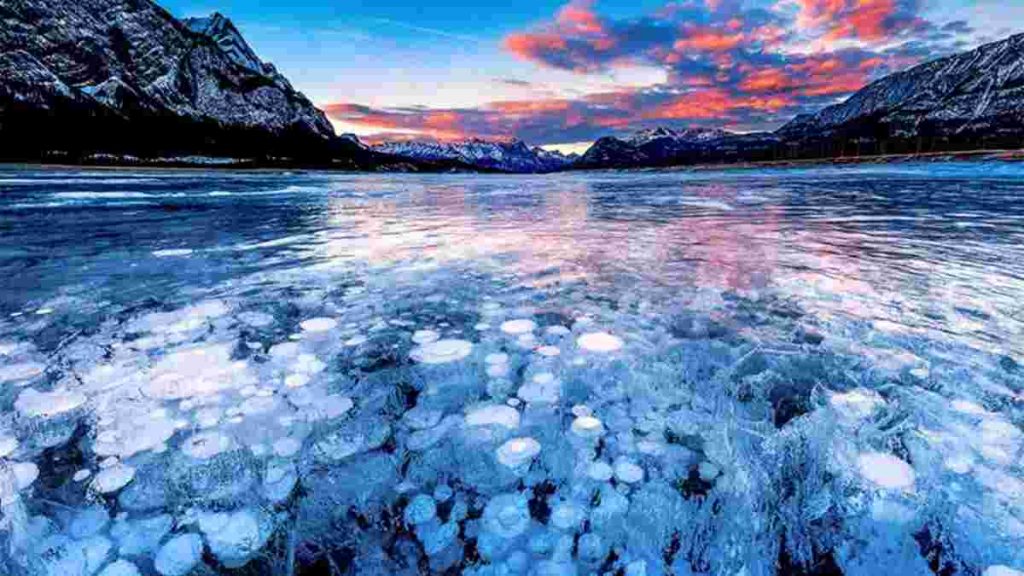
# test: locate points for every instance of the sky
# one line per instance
(564, 73)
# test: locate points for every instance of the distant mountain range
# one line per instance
(81, 79)
(510, 156)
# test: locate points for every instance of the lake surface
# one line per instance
(807, 371)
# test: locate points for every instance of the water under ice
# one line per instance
(582, 374)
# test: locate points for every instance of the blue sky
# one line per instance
(402, 69)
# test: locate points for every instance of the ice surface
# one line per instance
(393, 408)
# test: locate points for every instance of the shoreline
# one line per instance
(1008, 155)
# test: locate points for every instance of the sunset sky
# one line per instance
(562, 74)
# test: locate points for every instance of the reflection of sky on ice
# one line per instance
(598, 372)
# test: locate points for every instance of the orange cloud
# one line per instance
(709, 40)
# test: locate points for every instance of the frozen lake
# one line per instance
(814, 371)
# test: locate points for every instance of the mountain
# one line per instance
(124, 76)
(511, 156)
(969, 100)
(665, 147)
(973, 100)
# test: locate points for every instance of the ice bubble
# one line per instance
(497, 370)
(517, 327)
(420, 510)
(198, 371)
(179, 555)
(636, 568)
(542, 389)
(172, 252)
(309, 364)
(424, 439)
(587, 427)
(496, 358)
(708, 471)
(602, 342)
(526, 340)
(481, 326)
(121, 567)
(82, 475)
(628, 472)
(287, 447)
(557, 331)
(1001, 570)
(441, 351)
(206, 445)
(581, 410)
(89, 522)
(566, 516)
(549, 351)
(493, 415)
(8, 444)
(44, 311)
(256, 319)
(330, 407)
(592, 547)
(113, 479)
(296, 380)
(355, 340)
(318, 325)
(518, 451)
(234, 537)
(25, 474)
(600, 471)
(20, 372)
(421, 417)
(886, 470)
(857, 404)
(507, 515)
(443, 492)
(34, 404)
(425, 336)
(513, 402)
(279, 481)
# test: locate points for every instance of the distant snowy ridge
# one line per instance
(510, 156)
(977, 91)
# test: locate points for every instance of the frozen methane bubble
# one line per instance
(34, 404)
(587, 427)
(1000, 570)
(493, 415)
(234, 538)
(886, 470)
(8, 444)
(507, 515)
(518, 452)
(121, 568)
(856, 404)
(179, 555)
(113, 479)
(601, 342)
(518, 327)
(206, 445)
(425, 336)
(441, 351)
(421, 509)
(543, 388)
(318, 325)
(20, 372)
(496, 358)
(549, 351)
(600, 471)
(628, 472)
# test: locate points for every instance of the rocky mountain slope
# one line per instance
(126, 76)
(510, 156)
(973, 100)
(973, 95)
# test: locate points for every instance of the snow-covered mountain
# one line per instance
(510, 156)
(125, 73)
(974, 95)
(665, 146)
